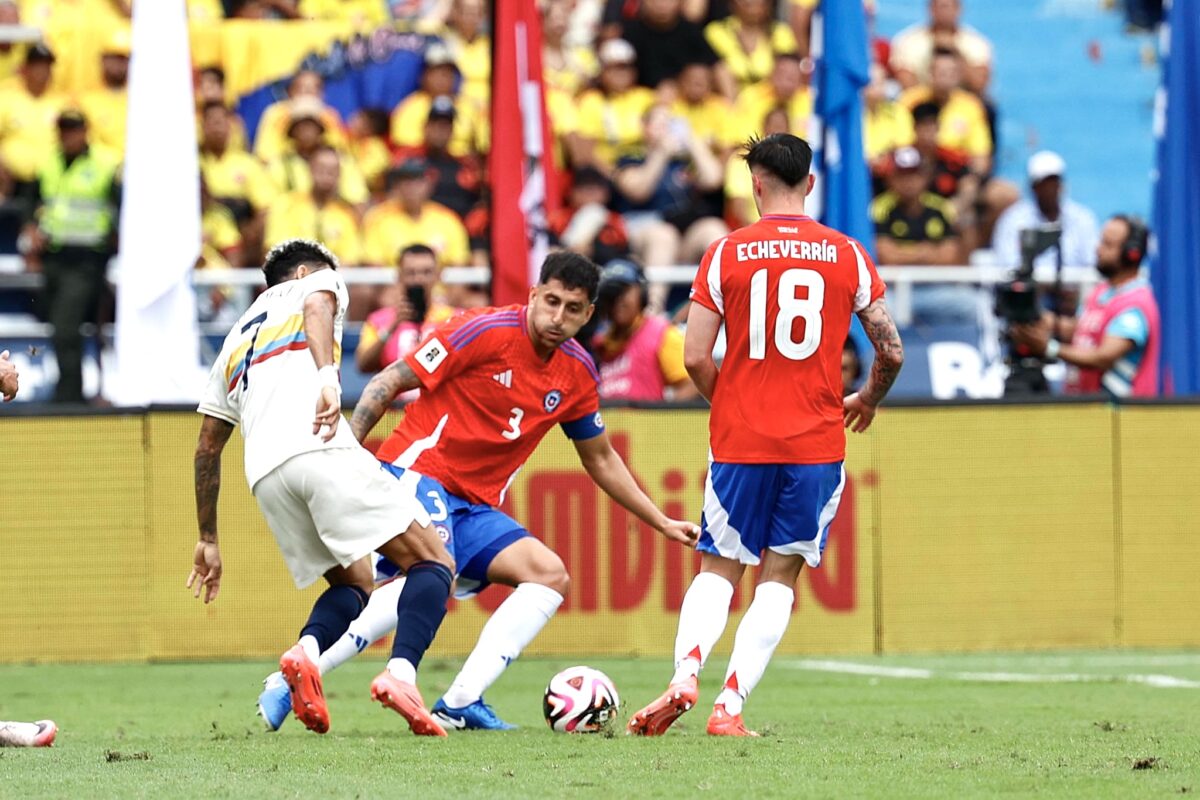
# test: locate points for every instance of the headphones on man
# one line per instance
(1134, 249)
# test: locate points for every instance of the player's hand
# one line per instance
(681, 531)
(857, 413)
(329, 412)
(206, 571)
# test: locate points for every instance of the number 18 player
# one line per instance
(784, 288)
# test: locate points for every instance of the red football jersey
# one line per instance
(786, 287)
(487, 399)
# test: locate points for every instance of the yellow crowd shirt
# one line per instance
(710, 121)
(387, 230)
(614, 123)
(962, 123)
(106, 110)
(363, 14)
(238, 175)
(888, 126)
(755, 102)
(271, 140)
(409, 118)
(296, 215)
(28, 135)
(219, 234)
(578, 68)
(290, 173)
(754, 66)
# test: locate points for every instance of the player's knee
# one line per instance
(552, 574)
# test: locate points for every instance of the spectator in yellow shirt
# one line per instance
(234, 177)
(887, 124)
(408, 216)
(369, 146)
(12, 55)
(306, 132)
(438, 78)
(610, 116)
(566, 68)
(210, 88)
(106, 108)
(362, 14)
(707, 113)
(272, 137)
(789, 86)
(29, 115)
(963, 124)
(319, 212)
(471, 48)
(749, 39)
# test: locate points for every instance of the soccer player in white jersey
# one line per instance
(784, 289)
(327, 501)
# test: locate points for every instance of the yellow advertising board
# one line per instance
(966, 528)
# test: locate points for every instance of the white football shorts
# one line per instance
(330, 508)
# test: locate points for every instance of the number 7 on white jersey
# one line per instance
(790, 307)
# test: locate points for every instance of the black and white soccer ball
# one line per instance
(580, 700)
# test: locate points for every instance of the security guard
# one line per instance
(76, 212)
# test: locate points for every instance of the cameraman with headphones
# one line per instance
(640, 355)
(1113, 347)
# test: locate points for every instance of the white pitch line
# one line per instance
(878, 670)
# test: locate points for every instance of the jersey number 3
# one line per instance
(791, 308)
(514, 425)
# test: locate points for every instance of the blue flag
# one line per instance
(1175, 261)
(842, 73)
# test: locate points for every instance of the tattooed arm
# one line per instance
(206, 568)
(860, 407)
(378, 395)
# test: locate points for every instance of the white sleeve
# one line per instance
(215, 400)
(1006, 240)
(327, 280)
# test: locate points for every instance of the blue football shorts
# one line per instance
(786, 508)
(474, 533)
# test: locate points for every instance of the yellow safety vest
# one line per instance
(78, 209)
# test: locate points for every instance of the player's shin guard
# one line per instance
(419, 613)
(757, 636)
(702, 619)
(509, 631)
(376, 621)
(331, 615)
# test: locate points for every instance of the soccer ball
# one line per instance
(580, 700)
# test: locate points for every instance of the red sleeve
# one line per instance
(870, 285)
(435, 358)
(706, 288)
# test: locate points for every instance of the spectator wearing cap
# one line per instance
(665, 42)
(72, 234)
(962, 122)
(913, 48)
(271, 140)
(740, 208)
(107, 107)
(319, 212)
(912, 225)
(788, 86)
(210, 88)
(1048, 204)
(586, 224)
(664, 196)
(439, 78)
(640, 354)
(609, 122)
(707, 113)
(28, 113)
(306, 132)
(887, 124)
(456, 179)
(409, 216)
(748, 40)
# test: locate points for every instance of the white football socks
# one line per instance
(311, 647)
(702, 619)
(757, 636)
(511, 628)
(377, 619)
(403, 670)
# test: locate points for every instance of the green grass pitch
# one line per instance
(1052, 725)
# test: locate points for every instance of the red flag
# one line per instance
(521, 163)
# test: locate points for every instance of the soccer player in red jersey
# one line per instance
(493, 382)
(784, 288)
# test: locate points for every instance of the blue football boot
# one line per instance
(275, 702)
(478, 716)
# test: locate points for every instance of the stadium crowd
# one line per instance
(649, 101)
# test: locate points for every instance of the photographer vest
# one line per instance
(1129, 377)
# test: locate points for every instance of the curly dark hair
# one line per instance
(285, 257)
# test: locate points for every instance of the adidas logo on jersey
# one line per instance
(504, 378)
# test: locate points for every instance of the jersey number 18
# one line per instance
(791, 308)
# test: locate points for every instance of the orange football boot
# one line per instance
(722, 723)
(303, 677)
(654, 719)
(405, 699)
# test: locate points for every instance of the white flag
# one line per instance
(157, 340)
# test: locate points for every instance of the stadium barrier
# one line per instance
(968, 527)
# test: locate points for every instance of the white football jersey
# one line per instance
(265, 378)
